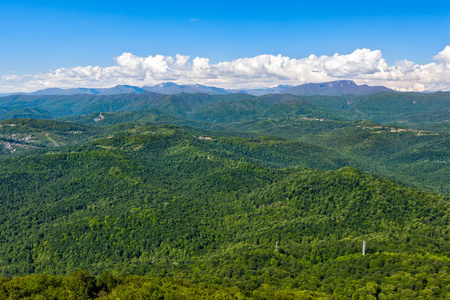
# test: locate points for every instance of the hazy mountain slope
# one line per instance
(334, 88)
(265, 91)
(71, 105)
(59, 91)
(267, 106)
(385, 108)
(173, 88)
(341, 87)
(118, 89)
(410, 109)
(163, 88)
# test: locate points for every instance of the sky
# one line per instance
(233, 44)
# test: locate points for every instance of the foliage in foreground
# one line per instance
(82, 285)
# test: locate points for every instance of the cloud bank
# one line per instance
(362, 65)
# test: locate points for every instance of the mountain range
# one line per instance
(230, 196)
(333, 88)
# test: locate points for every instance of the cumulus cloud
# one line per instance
(443, 56)
(362, 65)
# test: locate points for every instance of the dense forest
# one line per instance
(225, 197)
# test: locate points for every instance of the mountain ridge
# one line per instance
(332, 88)
(335, 88)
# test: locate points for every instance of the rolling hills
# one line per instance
(164, 201)
(331, 122)
(409, 109)
(240, 196)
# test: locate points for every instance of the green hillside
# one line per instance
(20, 137)
(75, 105)
(384, 108)
(194, 196)
(409, 109)
(164, 201)
(418, 157)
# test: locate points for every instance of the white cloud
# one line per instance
(362, 65)
(443, 56)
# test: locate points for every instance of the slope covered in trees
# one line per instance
(412, 109)
(246, 197)
(19, 137)
(241, 216)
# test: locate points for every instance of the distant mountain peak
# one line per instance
(167, 84)
(334, 88)
(173, 88)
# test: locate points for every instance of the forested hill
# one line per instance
(427, 111)
(20, 137)
(225, 196)
(417, 157)
(234, 213)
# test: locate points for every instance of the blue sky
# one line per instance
(37, 36)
